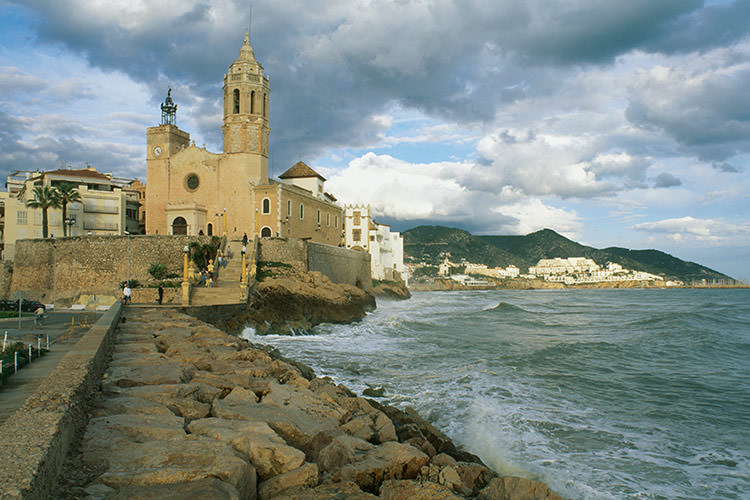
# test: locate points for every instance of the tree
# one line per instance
(45, 198)
(67, 193)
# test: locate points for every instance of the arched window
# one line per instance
(266, 206)
(328, 220)
(301, 211)
(252, 101)
(210, 230)
(288, 208)
(318, 220)
(265, 103)
(236, 101)
(179, 226)
(265, 232)
(335, 221)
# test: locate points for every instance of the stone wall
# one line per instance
(6, 275)
(340, 265)
(92, 264)
(36, 438)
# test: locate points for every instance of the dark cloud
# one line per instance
(666, 180)
(725, 167)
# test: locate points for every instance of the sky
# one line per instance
(613, 123)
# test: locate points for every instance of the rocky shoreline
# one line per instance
(188, 411)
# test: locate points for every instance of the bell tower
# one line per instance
(246, 128)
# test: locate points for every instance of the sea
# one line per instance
(601, 393)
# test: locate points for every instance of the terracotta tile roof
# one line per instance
(300, 169)
(93, 174)
(333, 198)
(373, 226)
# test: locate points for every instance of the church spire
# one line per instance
(246, 52)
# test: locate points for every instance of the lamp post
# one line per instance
(185, 282)
(69, 221)
(185, 252)
(128, 273)
(225, 222)
(244, 270)
(54, 286)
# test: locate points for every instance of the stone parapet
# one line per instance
(36, 438)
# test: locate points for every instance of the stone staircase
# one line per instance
(226, 289)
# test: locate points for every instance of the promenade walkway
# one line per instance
(19, 386)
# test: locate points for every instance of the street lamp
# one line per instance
(54, 293)
(244, 271)
(69, 221)
(185, 252)
(225, 222)
(128, 274)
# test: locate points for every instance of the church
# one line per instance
(190, 190)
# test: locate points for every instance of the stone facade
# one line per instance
(190, 190)
(92, 265)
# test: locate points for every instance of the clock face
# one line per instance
(157, 151)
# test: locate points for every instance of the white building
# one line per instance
(385, 247)
(571, 265)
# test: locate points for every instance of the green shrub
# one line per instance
(158, 271)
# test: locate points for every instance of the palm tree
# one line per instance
(67, 193)
(45, 198)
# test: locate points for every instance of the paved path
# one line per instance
(19, 386)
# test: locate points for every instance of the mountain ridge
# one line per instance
(431, 243)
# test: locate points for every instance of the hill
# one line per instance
(431, 243)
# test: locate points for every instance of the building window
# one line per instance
(356, 234)
(288, 208)
(265, 232)
(21, 217)
(328, 220)
(301, 211)
(372, 237)
(265, 103)
(252, 101)
(192, 182)
(210, 230)
(236, 101)
(318, 219)
(335, 221)
(357, 220)
(266, 206)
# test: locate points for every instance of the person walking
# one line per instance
(244, 240)
(126, 293)
(161, 293)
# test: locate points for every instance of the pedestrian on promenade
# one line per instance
(161, 293)
(203, 277)
(39, 316)
(126, 294)
(211, 274)
(244, 240)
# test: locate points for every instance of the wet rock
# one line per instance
(387, 461)
(345, 490)
(517, 488)
(341, 451)
(412, 490)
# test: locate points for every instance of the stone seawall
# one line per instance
(91, 264)
(36, 438)
(340, 265)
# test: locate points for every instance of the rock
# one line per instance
(158, 371)
(184, 460)
(441, 460)
(307, 475)
(392, 290)
(119, 405)
(449, 478)
(517, 488)
(241, 395)
(412, 490)
(205, 489)
(103, 433)
(422, 445)
(341, 451)
(366, 422)
(374, 392)
(387, 461)
(345, 490)
(266, 450)
(474, 476)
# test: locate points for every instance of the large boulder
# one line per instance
(306, 475)
(345, 490)
(341, 451)
(209, 488)
(103, 433)
(413, 490)
(387, 461)
(266, 450)
(177, 461)
(517, 488)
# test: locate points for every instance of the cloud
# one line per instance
(666, 180)
(725, 167)
(708, 230)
